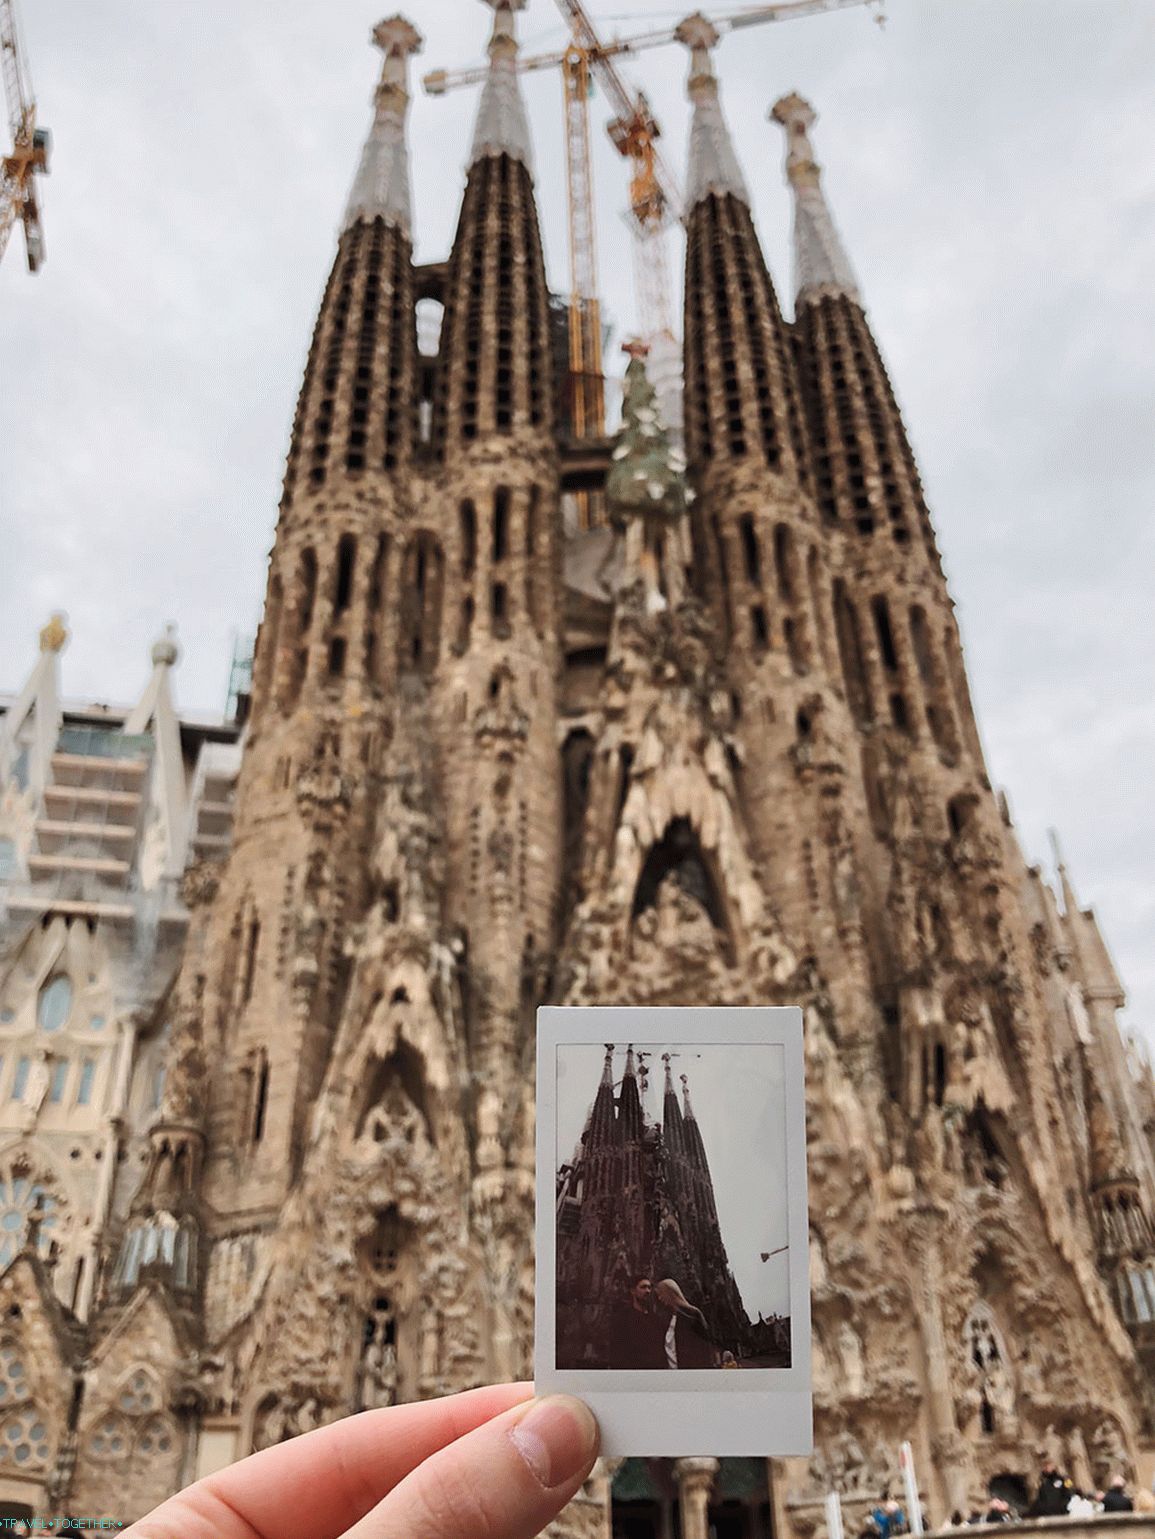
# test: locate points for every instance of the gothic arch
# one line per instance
(678, 854)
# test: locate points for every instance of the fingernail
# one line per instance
(557, 1438)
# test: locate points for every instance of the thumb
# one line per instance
(505, 1480)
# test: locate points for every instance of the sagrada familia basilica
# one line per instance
(267, 994)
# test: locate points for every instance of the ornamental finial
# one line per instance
(821, 265)
(165, 652)
(713, 166)
(381, 189)
(54, 636)
(502, 126)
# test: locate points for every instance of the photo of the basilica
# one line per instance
(656, 1214)
(678, 716)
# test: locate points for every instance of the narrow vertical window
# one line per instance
(306, 591)
(59, 1080)
(784, 562)
(468, 520)
(850, 654)
(759, 627)
(251, 947)
(881, 612)
(501, 523)
(723, 570)
(260, 1100)
(343, 588)
(750, 553)
(500, 609)
(84, 1086)
(19, 1079)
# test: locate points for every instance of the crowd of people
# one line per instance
(1056, 1496)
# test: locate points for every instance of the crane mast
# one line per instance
(30, 146)
(587, 375)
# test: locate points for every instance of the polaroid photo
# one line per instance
(673, 1292)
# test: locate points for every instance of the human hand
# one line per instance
(488, 1464)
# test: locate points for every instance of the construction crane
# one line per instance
(30, 146)
(655, 196)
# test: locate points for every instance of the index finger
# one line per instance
(320, 1484)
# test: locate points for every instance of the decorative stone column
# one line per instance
(695, 1487)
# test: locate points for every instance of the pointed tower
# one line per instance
(331, 610)
(745, 437)
(351, 612)
(498, 489)
(899, 650)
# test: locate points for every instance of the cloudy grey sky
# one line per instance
(989, 163)
(740, 1106)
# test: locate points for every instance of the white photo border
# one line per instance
(758, 1412)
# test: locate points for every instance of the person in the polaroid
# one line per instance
(657, 1327)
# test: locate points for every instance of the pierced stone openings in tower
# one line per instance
(750, 552)
(337, 317)
(899, 714)
(366, 354)
(533, 593)
(499, 588)
(342, 598)
(724, 601)
(343, 585)
(304, 602)
(851, 655)
(939, 717)
(500, 524)
(699, 428)
(467, 519)
(494, 367)
(421, 584)
(503, 371)
(373, 617)
(249, 966)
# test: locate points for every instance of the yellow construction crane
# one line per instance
(655, 197)
(30, 146)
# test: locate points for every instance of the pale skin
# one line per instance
(489, 1464)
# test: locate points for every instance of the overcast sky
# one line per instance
(739, 1103)
(989, 162)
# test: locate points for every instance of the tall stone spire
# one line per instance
(713, 165)
(356, 412)
(820, 261)
(381, 189)
(496, 369)
(502, 126)
(746, 443)
(865, 472)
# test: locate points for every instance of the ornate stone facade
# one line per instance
(720, 750)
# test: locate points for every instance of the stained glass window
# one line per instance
(19, 1079)
(18, 1194)
(84, 1089)
(55, 1003)
(24, 1438)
